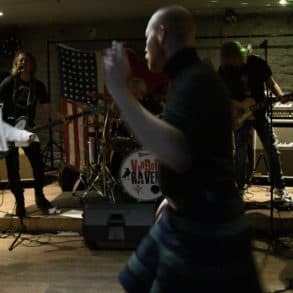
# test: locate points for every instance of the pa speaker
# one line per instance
(111, 225)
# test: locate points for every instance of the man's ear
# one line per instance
(162, 34)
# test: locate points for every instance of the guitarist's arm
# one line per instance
(275, 88)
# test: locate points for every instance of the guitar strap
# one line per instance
(30, 102)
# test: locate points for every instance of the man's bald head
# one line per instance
(170, 29)
(178, 23)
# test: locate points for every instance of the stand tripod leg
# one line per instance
(92, 185)
(254, 169)
(76, 184)
(256, 166)
(106, 186)
(113, 182)
(47, 153)
(22, 230)
(104, 176)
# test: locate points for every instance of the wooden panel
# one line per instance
(24, 168)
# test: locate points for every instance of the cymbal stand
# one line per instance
(89, 171)
(104, 177)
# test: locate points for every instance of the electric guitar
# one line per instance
(244, 110)
(22, 123)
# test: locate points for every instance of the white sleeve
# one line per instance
(3, 144)
(10, 133)
(13, 134)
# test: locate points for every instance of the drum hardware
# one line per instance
(122, 144)
(101, 180)
(89, 171)
(121, 138)
(136, 177)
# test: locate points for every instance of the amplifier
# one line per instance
(283, 111)
(285, 146)
(25, 169)
(119, 225)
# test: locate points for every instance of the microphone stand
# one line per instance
(21, 231)
(274, 241)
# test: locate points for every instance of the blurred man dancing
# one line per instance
(201, 242)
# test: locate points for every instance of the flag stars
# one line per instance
(78, 74)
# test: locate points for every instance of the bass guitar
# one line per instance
(244, 110)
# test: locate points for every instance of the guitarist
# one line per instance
(20, 92)
(246, 75)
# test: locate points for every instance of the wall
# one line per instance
(212, 31)
(268, 27)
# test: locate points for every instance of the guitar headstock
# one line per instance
(286, 98)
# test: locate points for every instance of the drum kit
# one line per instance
(131, 173)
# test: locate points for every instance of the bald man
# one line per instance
(201, 242)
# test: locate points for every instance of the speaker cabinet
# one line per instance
(108, 225)
(25, 169)
(285, 146)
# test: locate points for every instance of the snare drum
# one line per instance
(118, 128)
(139, 176)
(121, 139)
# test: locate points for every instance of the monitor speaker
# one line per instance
(121, 225)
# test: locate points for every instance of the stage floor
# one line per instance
(257, 203)
(53, 257)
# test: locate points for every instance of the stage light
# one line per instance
(283, 2)
(1, 13)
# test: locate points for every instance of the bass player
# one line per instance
(246, 75)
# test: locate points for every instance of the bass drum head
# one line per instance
(139, 176)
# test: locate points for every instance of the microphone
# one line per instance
(20, 69)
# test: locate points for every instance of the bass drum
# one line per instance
(67, 177)
(139, 176)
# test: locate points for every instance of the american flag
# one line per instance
(81, 80)
(78, 72)
(75, 136)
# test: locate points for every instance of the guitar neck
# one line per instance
(46, 125)
(67, 118)
(74, 116)
(264, 104)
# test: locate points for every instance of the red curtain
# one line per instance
(154, 81)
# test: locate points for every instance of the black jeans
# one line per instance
(33, 152)
(262, 127)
